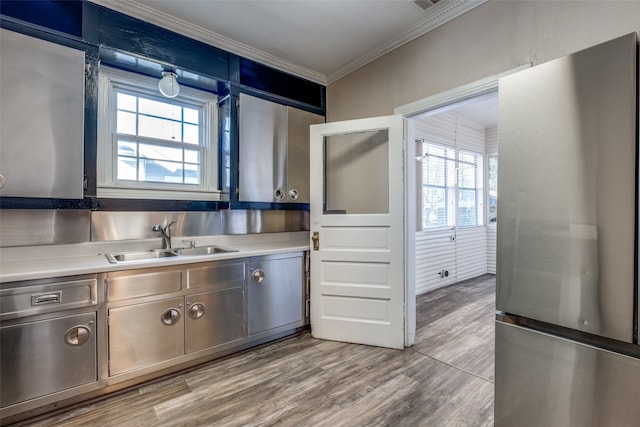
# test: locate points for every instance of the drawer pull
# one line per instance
(50, 298)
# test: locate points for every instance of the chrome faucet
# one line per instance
(165, 232)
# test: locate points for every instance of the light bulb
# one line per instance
(168, 84)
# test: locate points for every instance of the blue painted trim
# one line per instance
(270, 206)
(128, 34)
(63, 16)
(159, 205)
(135, 45)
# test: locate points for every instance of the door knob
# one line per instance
(258, 276)
(316, 240)
(170, 317)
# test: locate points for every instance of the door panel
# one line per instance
(357, 212)
(143, 334)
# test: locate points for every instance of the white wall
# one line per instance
(497, 36)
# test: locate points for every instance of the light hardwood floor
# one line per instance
(444, 380)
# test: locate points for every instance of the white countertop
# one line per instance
(38, 262)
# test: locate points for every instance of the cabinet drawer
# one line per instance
(216, 276)
(124, 285)
(27, 299)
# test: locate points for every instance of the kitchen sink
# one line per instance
(204, 250)
(166, 253)
(140, 255)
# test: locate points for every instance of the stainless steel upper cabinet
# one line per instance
(274, 151)
(566, 214)
(42, 120)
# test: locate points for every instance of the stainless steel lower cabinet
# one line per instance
(213, 318)
(544, 380)
(47, 356)
(275, 286)
(144, 334)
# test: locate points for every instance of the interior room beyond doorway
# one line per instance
(456, 192)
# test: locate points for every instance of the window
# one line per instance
(438, 187)
(470, 189)
(150, 146)
(492, 173)
(452, 187)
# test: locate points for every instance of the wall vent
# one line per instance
(425, 4)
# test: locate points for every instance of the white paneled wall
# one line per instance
(491, 136)
(435, 252)
(471, 251)
(491, 249)
(464, 253)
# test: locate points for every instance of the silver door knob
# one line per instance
(278, 193)
(170, 317)
(293, 194)
(257, 275)
(196, 310)
(77, 335)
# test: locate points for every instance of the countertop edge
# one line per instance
(32, 269)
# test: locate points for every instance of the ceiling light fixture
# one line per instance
(168, 84)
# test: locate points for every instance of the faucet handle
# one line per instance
(157, 227)
(191, 243)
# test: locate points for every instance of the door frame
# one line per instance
(441, 101)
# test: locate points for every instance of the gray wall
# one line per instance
(494, 37)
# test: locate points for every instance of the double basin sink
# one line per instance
(166, 253)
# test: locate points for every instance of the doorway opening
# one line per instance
(456, 192)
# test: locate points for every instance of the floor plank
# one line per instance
(444, 380)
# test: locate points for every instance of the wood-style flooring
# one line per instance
(444, 380)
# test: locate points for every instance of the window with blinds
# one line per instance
(452, 187)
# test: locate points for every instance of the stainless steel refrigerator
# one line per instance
(567, 350)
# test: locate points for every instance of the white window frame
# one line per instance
(108, 186)
(481, 199)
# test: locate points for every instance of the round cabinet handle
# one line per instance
(196, 310)
(258, 275)
(278, 193)
(77, 335)
(170, 317)
(293, 194)
(1, 181)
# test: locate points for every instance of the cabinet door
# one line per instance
(262, 151)
(42, 120)
(298, 154)
(144, 334)
(213, 318)
(275, 293)
(48, 356)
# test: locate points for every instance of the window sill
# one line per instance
(148, 194)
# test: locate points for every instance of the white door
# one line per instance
(357, 215)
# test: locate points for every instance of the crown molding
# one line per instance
(169, 22)
(441, 13)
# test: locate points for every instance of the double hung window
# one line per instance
(452, 187)
(151, 146)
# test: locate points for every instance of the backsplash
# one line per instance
(30, 227)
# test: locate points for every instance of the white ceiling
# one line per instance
(321, 40)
